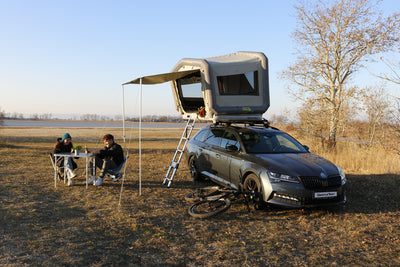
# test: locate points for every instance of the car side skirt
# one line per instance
(218, 179)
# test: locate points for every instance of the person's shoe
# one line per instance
(91, 180)
(99, 181)
(69, 181)
(116, 177)
(70, 173)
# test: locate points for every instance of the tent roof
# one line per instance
(234, 58)
(162, 78)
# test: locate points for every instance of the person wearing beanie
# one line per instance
(66, 136)
(65, 146)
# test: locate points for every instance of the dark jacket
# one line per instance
(61, 148)
(114, 153)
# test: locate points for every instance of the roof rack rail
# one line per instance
(263, 122)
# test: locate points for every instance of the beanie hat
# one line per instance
(65, 136)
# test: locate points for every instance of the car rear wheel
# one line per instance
(194, 173)
(252, 188)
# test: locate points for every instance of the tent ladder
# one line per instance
(173, 167)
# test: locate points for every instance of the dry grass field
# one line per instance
(41, 225)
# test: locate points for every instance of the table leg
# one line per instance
(65, 168)
(87, 161)
(55, 172)
(94, 166)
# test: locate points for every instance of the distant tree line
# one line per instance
(2, 114)
(88, 117)
(21, 116)
(146, 118)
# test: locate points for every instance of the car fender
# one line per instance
(266, 187)
(188, 156)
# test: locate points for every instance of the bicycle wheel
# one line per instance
(207, 208)
(202, 193)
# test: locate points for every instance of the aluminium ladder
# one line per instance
(180, 149)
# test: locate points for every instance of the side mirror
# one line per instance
(306, 147)
(231, 148)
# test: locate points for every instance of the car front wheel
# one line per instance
(252, 188)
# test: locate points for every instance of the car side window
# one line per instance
(214, 137)
(229, 139)
(201, 135)
(250, 139)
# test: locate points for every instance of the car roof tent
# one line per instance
(228, 88)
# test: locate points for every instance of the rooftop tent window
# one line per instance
(190, 86)
(239, 84)
(190, 92)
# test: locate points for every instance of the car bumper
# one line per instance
(297, 196)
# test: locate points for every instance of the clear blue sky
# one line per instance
(71, 57)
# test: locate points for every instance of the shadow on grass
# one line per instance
(367, 194)
(8, 145)
(30, 139)
(46, 223)
(373, 193)
(174, 185)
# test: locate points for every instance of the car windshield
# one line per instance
(257, 142)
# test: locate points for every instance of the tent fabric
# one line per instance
(217, 103)
(162, 78)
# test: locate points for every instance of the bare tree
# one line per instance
(313, 119)
(2, 116)
(393, 142)
(334, 40)
(377, 107)
(394, 67)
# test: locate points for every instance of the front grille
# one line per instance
(316, 182)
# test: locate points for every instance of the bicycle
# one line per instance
(212, 200)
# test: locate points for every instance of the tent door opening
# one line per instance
(190, 93)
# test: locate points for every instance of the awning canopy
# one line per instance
(162, 78)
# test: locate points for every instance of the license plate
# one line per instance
(325, 194)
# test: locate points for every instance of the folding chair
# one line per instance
(115, 174)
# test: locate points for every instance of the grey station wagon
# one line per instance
(267, 162)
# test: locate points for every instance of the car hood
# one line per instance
(297, 164)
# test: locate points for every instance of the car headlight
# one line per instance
(342, 176)
(279, 177)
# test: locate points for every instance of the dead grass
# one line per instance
(354, 157)
(47, 226)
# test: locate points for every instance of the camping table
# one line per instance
(73, 155)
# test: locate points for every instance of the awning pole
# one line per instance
(124, 138)
(140, 139)
(123, 116)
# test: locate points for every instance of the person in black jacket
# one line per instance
(108, 158)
